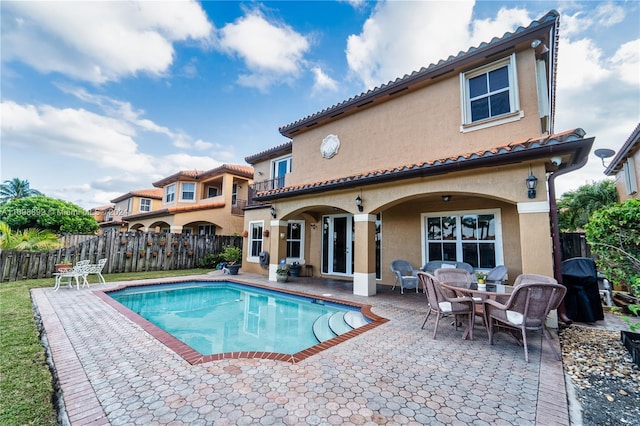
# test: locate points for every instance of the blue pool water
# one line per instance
(219, 317)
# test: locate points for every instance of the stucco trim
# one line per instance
(534, 207)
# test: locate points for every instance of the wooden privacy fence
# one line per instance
(125, 251)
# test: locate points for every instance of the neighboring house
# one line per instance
(199, 202)
(625, 166)
(133, 202)
(100, 214)
(433, 165)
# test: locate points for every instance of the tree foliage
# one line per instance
(575, 207)
(47, 214)
(14, 189)
(29, 239)
(614, 236)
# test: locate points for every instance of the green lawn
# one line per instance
(26, 385)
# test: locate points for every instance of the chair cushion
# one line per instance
(514, 317)
(447, 266)
(445, 306)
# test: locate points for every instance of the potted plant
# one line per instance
(143, 253)
(64, 265)
(282, 274)
(233, 257)
(294, 269)
(128, 254)
(149, 243)
(481, 279)
(162, 241)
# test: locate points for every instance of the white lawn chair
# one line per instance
(95, 268)
(76, 272)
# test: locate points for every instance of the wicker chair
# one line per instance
(533, 278)
(526, 309)
(405, 275)
(443, 304)
(497, 274)
(453, 275)
(437, 264)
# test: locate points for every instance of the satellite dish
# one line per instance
(603, 153)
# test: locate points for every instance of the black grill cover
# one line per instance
(582, 301)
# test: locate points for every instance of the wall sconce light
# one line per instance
(283, 235)
(359, 203)
(531, 183)
(273, 212)
(313, 226)
(446, 198)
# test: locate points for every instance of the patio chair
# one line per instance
(453, 275)
(526, 310)
(405, 275)
(95, 268)
(533, 278)
(431, 266)
(497, 275)
(442, 304)
(76, 272)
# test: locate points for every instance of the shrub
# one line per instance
(210, 261)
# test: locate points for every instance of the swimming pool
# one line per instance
(223, 317)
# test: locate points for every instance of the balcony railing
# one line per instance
(238, 207)
(265, 185)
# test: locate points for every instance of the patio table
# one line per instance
(499, 292)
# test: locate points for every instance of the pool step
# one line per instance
(330, 325)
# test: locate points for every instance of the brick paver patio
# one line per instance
(111, 371)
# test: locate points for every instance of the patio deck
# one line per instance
(110, 371)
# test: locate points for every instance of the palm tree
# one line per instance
(575, 207)
(30, 239)
(14, 189)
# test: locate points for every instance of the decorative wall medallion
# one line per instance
(329, 146)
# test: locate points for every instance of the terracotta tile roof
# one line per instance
(276, 151)
(176, 210)
(537, 29)
(238, 169)
(102, 208)
(560, 143)
(145, 193)
(633, 141)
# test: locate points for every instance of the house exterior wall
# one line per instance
(424, 124)
(621, 187)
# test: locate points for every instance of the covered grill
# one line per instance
(582, 301)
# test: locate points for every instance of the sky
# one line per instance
(101, 98)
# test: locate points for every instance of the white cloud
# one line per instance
(271, 51)
(99, 41)
(609, 14)
(322, 82)
(401, 37)
(506, 20)
(626, 62)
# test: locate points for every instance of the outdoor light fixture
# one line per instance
(446, 198)
(313, 226)
(532, 182)
(359, 203)
(273, 212)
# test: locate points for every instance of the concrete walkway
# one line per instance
(110, 371)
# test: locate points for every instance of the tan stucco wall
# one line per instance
(619, 179)
(419, 126)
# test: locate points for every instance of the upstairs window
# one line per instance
(188, 191)
(170, 193)
(280, 167)
(490, 92)
(145, 205)
(212, 191)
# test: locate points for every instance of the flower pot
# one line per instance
(149, 243)
(265, 233)
(245, 234)
(128, 254)
(631, 341)
(162, 243)
(294, 270)
(233, 269)
(61, 267)
(281, 278)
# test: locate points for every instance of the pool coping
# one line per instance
(193, 357)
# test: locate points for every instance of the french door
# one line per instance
(337, 244)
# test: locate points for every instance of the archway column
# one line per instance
(277, 245)
(364, 273)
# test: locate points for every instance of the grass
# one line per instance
(26, 384)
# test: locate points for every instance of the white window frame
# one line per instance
(182, 192)
(145, 205)
(275, 172)
(301, 224)
(214, 188)
(170, 193)
(514, 97)
(499, 253)
(629, 173)
(259, 237)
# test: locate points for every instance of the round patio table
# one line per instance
(498, 292)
